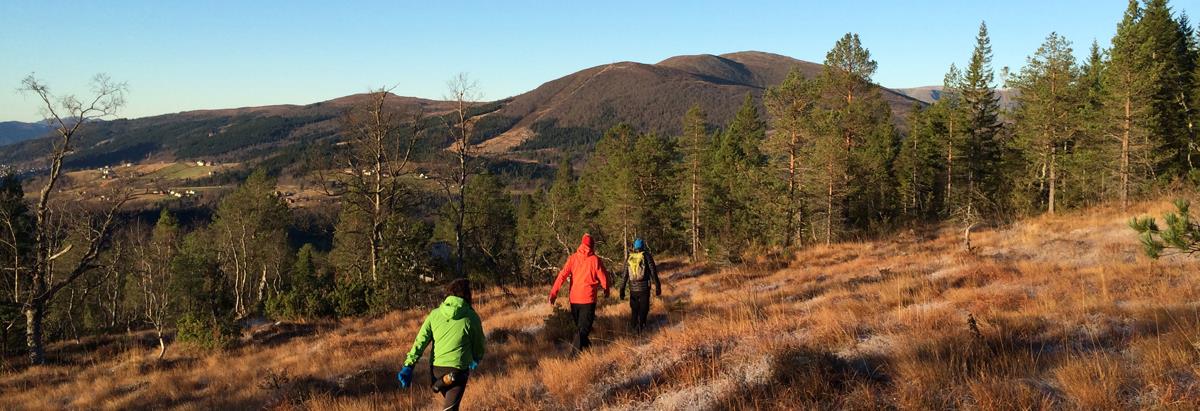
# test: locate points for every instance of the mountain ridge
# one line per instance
(17, 131)
(568, 113)
(931, 94)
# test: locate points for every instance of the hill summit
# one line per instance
(651, 97)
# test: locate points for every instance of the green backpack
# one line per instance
(636, 270)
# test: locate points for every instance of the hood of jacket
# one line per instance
(585, 245)
(453, 308)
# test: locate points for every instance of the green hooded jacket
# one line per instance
(456, 334)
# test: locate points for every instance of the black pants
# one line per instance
(583, 314)
(639, 307)
(452, 397)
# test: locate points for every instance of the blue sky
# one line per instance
(179, 55)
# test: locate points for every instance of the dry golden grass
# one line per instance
(1052, 313)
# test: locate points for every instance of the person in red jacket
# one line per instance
(587, 278)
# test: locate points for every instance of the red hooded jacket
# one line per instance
(587, 275)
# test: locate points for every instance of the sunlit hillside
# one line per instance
(1051, 312)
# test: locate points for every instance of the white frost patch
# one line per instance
(880, 345)
(699, 397)
(754, 372)
(946, 273)
(912, 310)
(533, 329)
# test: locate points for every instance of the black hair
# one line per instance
(460, 288)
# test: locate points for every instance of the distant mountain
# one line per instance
(239, 134)
(930, 94)
(575, 109)
(16, 131)
(569, 113)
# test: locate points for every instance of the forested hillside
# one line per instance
(253, 134)
(16, 131)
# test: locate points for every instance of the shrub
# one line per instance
(351, 298)
(205, 333)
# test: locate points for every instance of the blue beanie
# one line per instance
(638, 244)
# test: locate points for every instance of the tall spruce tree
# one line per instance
(1126, 102)
(1169, 66)
(981, 146)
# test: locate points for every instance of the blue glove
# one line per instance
(405, 377)
(473, 365)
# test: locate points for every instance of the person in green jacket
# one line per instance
(456, 334)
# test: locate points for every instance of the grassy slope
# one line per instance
(1067, 314)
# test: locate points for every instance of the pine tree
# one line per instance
(488, 230)
(16, 230)
(981, 145)
(950, 110)
(694, 144)
(1180, 236)
(733, 178)
(202, 293)
(792, 105)
(632, 178)
(1126, 102)
(563, 210)
(860, 118)
(311, 283)
(656, 188)
(534, 243)
(919, 162)
(609, 181)
(350, 256)
(1089, 167)
(1047, 117)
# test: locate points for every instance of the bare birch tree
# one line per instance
(368, 170)
(60, 223)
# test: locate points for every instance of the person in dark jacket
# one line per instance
(457, 336)
(639, 272)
